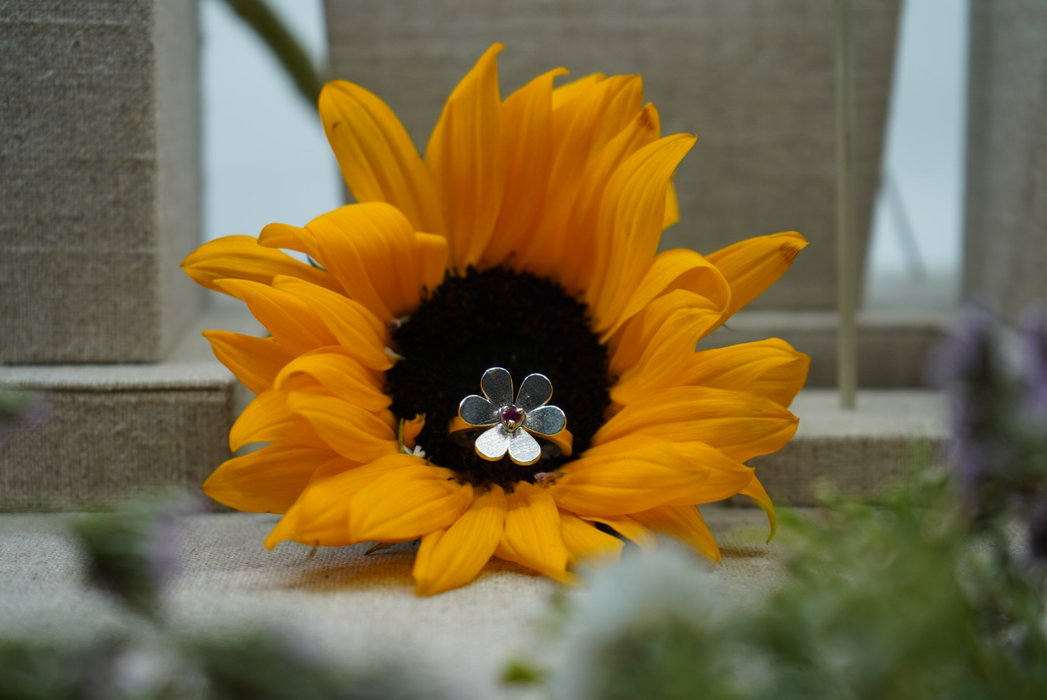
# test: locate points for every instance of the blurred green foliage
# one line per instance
(130, 555)
(903, 600)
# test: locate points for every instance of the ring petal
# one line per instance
(493, 444)
(547, 420)
(523, 449)
(535, 391)
(497, 385)
(476, 410)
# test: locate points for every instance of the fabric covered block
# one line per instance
(99, 186)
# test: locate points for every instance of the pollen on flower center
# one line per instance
(463, 329)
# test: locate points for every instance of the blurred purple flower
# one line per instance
(965, 366)
(1034, 360)
(20, 409)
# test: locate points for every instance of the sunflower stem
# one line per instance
(284, 45)
(846, 249)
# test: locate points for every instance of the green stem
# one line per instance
(285, 46)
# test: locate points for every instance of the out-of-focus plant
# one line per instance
(286, 48)
(20, 407)
(130, 555)
(936, 593)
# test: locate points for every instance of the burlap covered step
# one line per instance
(117, 429)
(893, 346)
(345, 607)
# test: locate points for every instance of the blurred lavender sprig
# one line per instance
(18, 407)
(995, 378)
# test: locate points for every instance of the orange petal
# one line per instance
(740, 424)
(769, 368)
(240, 257)
(254, 361)
(568, 91)
(756, 492)
(268, 419)
(451, 558)
(672, 270)
(371, 249)
(753, 265)
(672, 207)
(268, 480)
(582, 127)
(585, 542)
(360, 333)
(532, 532)
(684, 524)
(407, 504)
(294, 326)
(320, 516)
(630, 529)
(377, 158)
(528, 115)
(466, 157)
(657, 342)
(340, 375)
(352, 431)
(630, 224)
(638, 473)
(576, 268)
(411, 429)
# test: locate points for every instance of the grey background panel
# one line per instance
(753, 78)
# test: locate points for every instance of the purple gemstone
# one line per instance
(512, 415)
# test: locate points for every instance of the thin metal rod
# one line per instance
(846, 248)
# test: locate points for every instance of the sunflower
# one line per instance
(525, 243)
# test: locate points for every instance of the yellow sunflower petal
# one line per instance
(377, 158)
(659, 340)
(452, 558)
(342, 376)
(576, 267)
(320, 516)
(684, 524)
(254, 361)
(582, 127)
(568, 91)
(672, 270)
(466, 157)
(637, 473)
(411, 429)
(532, 532)
(630, 225)
(431, 260)
(352, 431)
(759, 496)
(769, 368)
(241, 257)
(528, 116)
(585, 542)
(371, 249)
(739, 424)
(630, 529)
(351, 325)
(268, 419)
(753, 265)
(672, 207)
(407, 504)
(294, 326)
(268, 480)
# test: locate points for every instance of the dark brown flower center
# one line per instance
(497, 318)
